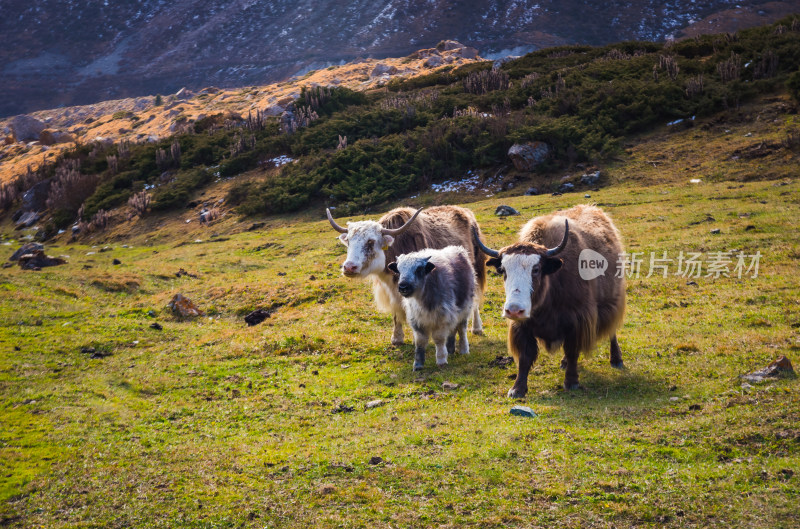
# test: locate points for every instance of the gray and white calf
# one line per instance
(438, 289)
(371, 245)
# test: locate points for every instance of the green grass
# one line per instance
(210, 423)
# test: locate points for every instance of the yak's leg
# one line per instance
(524, 349)
(397, 333)
(571, 353)
(420, 343)
(441, 339)
(451, 344)
(616, 354)
(477, 324)
(463, 344)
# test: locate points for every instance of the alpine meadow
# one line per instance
(179, 345)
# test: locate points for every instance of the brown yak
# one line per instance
(553, 297)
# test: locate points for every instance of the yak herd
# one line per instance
(428, 270)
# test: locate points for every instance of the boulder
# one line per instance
(27, 128)
(505, 211)
(527, 156)
(532, 191)
(434, 61)
(53, 136)
(566, 187)
(467, 52)
(184, 307)
(780, 367)
(590, 179)
(26, 248)
(256, 317)
(383, 69)
(447, 45)
(35, 198)
(27, 220)
(36, 260)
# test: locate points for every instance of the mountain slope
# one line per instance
(61, 52)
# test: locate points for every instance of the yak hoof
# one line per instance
(572, 386)
(517, 393)
(442, 363)
(618, 365)
(477, 332)
(418, 366)
(397, 341)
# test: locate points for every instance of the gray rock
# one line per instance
(37, 260)
(587, 195)
(383, 69)
(27, 220)
(26, 249)
(505, 211)
(528, 155)
(590, 179)
(449, 385)
(433, 61)
(447, 45)
(373, 404)
(35, 198)
(715, 231)
(522, 411)
(467, 52)
(566, 186)
(26, 128)
(532, 191)
(780, 367)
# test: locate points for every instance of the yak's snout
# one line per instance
(513, 311)
(405, 288)
(350, 268)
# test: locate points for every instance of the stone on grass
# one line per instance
(449, 385)
(37, 260)
(375, 460)
(523, 411)
(116, 262)
(532, 191)
(780, 367)
(373, 404)
(26, 248)
(155, 325)
(566, 187)
(184, 307)
(343, 408)
(256, 317)
(505, 211)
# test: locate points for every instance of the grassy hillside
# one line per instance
(210, 423)
(584, 102)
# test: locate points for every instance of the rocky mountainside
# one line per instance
(30, 140)
(64, 52)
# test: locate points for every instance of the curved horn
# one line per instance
(397, 231)
(557, 250)
(333, 222)
(485, 249)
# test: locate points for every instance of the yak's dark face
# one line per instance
(523, 266)
(411, 271)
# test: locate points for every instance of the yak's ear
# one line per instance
(495, 262)
(550, 265)
(388, 240)
(343, 238)
(429, 267)
(393, 267)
